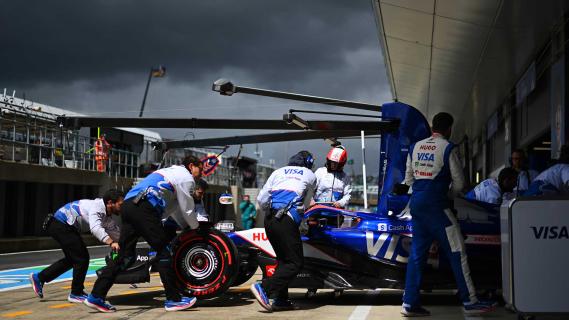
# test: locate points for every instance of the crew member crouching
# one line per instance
(65, 225)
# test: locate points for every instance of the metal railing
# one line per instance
(32, 139)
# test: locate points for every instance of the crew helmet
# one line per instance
(339, 155)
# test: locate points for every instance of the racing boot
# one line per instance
(408, 311)
(261, 296)
(77, 298)
(37, 285)
(183, 304)
(283, 305)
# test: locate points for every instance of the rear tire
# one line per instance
(205, 262)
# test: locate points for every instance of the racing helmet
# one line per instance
(339, 155)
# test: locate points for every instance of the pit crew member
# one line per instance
(492, 190)
(65, 226)
(332, 183)
(171, 225)
(518, 161)
(284, 197)
(432, 166)
(165, 191)
(554, 180)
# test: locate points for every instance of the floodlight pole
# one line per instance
(145, 93)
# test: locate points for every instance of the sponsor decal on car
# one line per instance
(270, 269)
(142, 258)
(482, 239)
(387, 227)
(260, 236)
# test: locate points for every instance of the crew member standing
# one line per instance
(284, 197)
(166, 190)
(65, 225)
(432, 165)
(248, 213)
(332, 183)
(518, 161)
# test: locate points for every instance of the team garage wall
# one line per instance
(29, 192)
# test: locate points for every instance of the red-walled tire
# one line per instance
(205, 262)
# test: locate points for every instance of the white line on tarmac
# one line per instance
(361, 312)
(29, 285)
(51, 250)
(40, 251)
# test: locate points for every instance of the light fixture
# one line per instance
(224, 87)
(291, 118)
(333, 142)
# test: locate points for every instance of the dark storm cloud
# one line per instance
(65, 41)
(93, 57)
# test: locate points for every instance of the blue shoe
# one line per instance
(99, 304)
(183, 304)
(261, 297)
(477, 308)
(37, 285)
(408, 311)
(77, 298)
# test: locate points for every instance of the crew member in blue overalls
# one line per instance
(432, 166)
(554, 180)
(167, 191)
(332, 183)
(65, 225)
(174, 222)
(492, 190)
(283, 198)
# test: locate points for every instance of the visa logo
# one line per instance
(550, 232)
(422, 156)
(374, 246)
(293, 171)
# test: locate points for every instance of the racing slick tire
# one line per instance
(205, 262)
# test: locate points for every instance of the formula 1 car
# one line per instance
(342, 249)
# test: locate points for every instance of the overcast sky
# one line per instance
(94, 56)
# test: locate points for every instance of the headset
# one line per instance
(309, 160)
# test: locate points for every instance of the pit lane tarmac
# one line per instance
(146, 302)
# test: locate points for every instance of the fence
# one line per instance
(35, 139)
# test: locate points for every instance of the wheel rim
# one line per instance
(200, 263)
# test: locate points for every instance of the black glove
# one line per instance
(400, 189)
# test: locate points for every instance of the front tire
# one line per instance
(205, 262)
